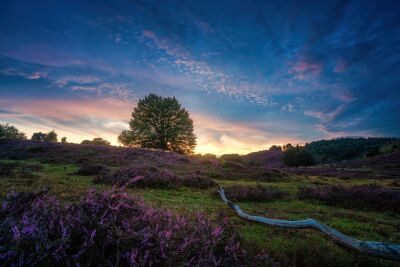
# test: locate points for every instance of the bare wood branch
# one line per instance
(376, 249)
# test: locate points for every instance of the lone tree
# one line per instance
(161, 123)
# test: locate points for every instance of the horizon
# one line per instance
(251, 75)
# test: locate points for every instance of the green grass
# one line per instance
(302, 247)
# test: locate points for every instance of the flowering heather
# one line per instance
(110, 229)
(256, 193)
(92, 169)
(153, 177)
(361, 196)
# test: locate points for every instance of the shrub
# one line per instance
(153, 177)
(110, 229)
(197, 180)
(35, 149)
(231, 157)
(256, 193)
(361, 196)
(7, 169)
(92, 169)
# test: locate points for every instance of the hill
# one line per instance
(182, 188)
(265, 158)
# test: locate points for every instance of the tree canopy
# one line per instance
(45, 137)
(96, 141)
(297, 156)
(160, 123)
(9, 132)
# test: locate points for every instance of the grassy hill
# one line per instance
(185, 185)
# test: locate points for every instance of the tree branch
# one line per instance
(376, 249)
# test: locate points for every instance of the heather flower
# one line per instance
(110, 228)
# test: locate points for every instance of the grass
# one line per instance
(299, 247)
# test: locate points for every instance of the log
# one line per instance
(372, 248)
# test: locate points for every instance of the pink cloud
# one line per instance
(76, 119)
(341, 66)
(305, 70)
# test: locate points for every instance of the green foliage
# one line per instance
(275, 148)
(231, 157)
(45, 137)
(9, 132)
(64, 140)
(124, 138)
(160, 123)
(326, 151)
(297, 156)
(51, 136)
(96, 141)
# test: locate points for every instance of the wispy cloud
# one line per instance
(206, 77)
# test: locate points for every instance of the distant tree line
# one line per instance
(9, 132)
(339, 149)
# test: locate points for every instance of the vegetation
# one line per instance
(297, 156)
(56, 165)
(9, 132)
(96, 141)
(160, 123)
(363, 196)
(153, 177)
(64, 140)
(327, 151)
(45, 137)
(111, 229)
(258, 193)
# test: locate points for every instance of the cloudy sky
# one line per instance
(251, 73)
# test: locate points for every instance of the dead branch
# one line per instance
(376, 249)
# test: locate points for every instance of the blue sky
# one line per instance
(251, 73)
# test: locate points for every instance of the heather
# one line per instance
(363, 196)
(112, 228)
(256, 193)
(58, 166)
(153, 177)
(92, 169)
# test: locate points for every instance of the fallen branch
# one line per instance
(376, 249)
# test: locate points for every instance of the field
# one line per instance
(67, 169)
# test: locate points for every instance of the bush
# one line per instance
(256, 193)
(92, 169)
(231, 157)
(153, 177)
(361, 196)
(198, 181)
(7, 169)
(110, 229)
(35, 149)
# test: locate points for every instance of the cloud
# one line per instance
(75, 79)
(29, 75)
(341, 66)
(305, 70)
(206, 77)
(288, 108)
(220, 136)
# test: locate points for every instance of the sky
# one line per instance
(250, 73)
